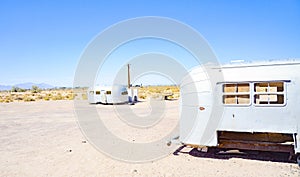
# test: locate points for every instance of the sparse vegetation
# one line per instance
(172, 92)
(36, 94)
(35, 89)
(28, 98)
(46, 98)
(17, 89)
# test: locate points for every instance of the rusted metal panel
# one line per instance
(256, 141)
(255, 145)
(256, 136)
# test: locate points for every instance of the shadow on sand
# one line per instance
(217, 153)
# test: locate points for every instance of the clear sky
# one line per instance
(41, 41)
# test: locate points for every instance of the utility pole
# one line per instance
(130, 91)
(128, 74)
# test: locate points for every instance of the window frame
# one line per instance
(236, 94)
(284, 93)
(252, 93)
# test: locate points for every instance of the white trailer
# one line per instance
(107, 94)
(259, 104)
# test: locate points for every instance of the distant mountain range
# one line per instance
(27, 85)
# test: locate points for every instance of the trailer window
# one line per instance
(91, 93)
(236, 94)
(97, 92)
(269, 93)
(108, 92)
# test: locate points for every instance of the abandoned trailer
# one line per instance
(258, 104)
(112, 94)
(107, 94)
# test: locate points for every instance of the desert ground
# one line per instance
(43, 138)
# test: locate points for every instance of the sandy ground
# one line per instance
(43, 139)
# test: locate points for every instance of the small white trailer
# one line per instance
(259, 104)
(115, 94)
(108, 94)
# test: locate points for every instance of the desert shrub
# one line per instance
(19, 98)
(17, 89)
(142, 96)
(14, 89)
(35, 89)
(59, 96)
(21, 90)
(28, 98)
(8, 99)
(70, 97)
(48, 97)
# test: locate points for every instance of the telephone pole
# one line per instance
(128, 74)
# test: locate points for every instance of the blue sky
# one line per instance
(41, 41)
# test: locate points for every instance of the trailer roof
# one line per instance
(241, 63)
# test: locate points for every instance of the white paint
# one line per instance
(248, 118)
(108, 94)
